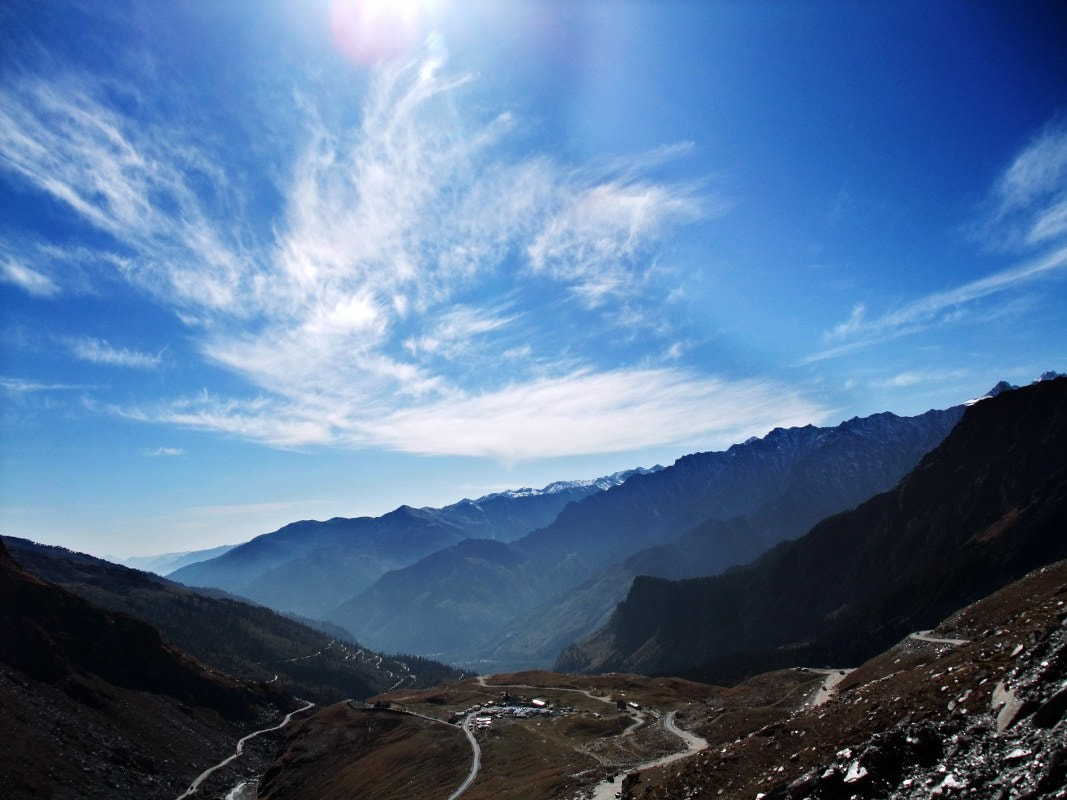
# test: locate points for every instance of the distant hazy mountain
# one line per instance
(984, 508)
(310, 567)
(234, 637)
(166, 563)
(516, 604)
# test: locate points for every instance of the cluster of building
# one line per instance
(508, 706)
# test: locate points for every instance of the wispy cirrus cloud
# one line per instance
(1030, 198)
(456, 330)
(162, 452)
(580, 412)
(917, 378)
(29, 280)
(588, 412)
(99, 351)
(1029, 202)
(940, 306)
(19, 386)
(132, 181)
(592, 243)
(423, 287)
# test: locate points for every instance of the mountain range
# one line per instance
(310, 567)
(516, 604)
(510, 579)
(166, 563)
(982, 509)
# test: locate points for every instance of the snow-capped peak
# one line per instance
(1004, 386)
(602, 483)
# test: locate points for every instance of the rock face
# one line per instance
(95, 704)
(517, 603)
(982, 509)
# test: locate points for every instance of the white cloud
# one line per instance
(1029, 203)
(17, 386)
(1029, 200)
(854, 323)
(454, 332)
(1037, 172)
(594, 241)
(163, 452)
(581, 412)
(129, 180)
(28, 280)
(937, 308)
(588, 412)
(384, 308)
(917, 378)
(98, 351)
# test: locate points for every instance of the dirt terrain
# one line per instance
(926, 718)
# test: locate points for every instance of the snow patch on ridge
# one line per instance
(602, 483)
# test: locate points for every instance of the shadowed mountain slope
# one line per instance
(96, 704)
(518, 603)
(981, 510)
(235, 637)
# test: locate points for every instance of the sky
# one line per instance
(270, 260)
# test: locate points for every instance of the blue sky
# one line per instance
(267, 261)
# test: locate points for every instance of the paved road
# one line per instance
(693, 743)
(835, 676)
(476, 760)
(476, 750)
(240, 749)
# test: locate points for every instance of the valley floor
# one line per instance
(972, 709)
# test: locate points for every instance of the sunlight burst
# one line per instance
(373, 31)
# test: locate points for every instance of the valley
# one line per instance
(910, 646)
(925, 714)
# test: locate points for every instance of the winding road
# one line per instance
(835, 676)
(476, 759)
(924, 636)
(240, 749)
(606, 790)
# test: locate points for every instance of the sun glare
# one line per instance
(372, 31)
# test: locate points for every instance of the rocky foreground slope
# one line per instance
(974, 709)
